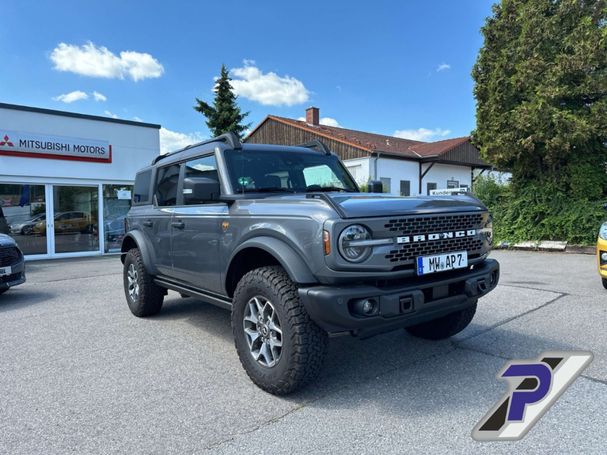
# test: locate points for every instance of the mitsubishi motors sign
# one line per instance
(22, 144)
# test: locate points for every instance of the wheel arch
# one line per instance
(135, 239)
(265, 251)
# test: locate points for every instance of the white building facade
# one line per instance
(66, 179)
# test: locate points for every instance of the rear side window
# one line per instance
(141, 190)
(167, 179)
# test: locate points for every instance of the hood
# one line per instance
(362, 205)
(6, 240)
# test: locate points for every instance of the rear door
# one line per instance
(196, 229)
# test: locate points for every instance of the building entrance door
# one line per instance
(75, 219)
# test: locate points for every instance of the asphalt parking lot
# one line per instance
(80, 374)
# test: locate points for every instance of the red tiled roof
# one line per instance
(379, 143)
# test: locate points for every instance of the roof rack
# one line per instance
(317, 145)
(230, 139)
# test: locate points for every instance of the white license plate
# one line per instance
(5, 271)
(442, 262)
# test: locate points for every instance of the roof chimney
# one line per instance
(312, 115)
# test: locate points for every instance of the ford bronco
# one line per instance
(283, 238)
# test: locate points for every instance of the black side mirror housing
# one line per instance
(375, 186)
(198, 190)
(605, 206)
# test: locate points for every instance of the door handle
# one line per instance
(148, 223)
(178, 224)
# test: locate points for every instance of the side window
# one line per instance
(429, 187)
(202, 167)
(141, 190)
(205, 167)
(167, 179)
(405, 188)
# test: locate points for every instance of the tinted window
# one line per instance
(167, 179)
(429, 187)
(405, 188)
(141, 190)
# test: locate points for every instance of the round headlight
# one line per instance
(350, 245)
(603, 231)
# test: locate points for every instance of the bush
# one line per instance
(542, 210)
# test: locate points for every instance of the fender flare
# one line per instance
(146, 254)
(288, 258)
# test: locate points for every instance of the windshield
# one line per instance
(288, 171)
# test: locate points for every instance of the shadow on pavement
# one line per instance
(21, 297)
(405, 365)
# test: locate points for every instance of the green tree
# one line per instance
(541, 94)
(224, 115)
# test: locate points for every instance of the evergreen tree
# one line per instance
(224, 115)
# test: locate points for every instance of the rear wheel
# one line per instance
(279, 346)
(143, 296)
(445, 327)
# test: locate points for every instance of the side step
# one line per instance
(223, 302)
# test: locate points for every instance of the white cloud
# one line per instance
(422, 134)
(443, 67)
(110, 114)
(324, 121)
(94, 61)
(268, 89)
(99, 96)
(138, 119)
(76, 95)
(174, 140)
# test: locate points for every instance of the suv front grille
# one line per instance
(424, 225)
(9, 256)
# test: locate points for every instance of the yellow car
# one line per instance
(601, 253)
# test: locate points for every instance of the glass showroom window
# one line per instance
(116, 204)
(23, 216)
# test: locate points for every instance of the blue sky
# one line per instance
(391, 67)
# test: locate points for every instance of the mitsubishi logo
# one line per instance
(6, 141)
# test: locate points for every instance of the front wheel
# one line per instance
(604, 280)
(279, 346)
(143, 296)
(445, 327)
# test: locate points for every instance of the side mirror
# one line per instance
(375, 186)
(605, 206)
(197, 190)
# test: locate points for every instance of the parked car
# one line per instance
(601, 253)
(67, 222)
(27, 227)
(12, 264)
(282, 237)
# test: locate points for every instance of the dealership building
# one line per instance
(66, 178)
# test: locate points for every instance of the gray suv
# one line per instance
(284, 239)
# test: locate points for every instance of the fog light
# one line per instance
(365, 307)
(369, 306)
(604, 256)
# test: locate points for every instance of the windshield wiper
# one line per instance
(323, 189)
(268, 190)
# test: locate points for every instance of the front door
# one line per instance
(159, 220)
(196, 232)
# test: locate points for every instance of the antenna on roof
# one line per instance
(317, 145)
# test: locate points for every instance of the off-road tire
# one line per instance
(604, 280)
(444, 327)
(150, 296)
(304, 344)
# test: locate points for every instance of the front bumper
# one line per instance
(409, 303)
(16, 277)
(601, 247)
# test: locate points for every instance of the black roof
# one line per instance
(39, 110)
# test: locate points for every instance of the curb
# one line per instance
(547, 246)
